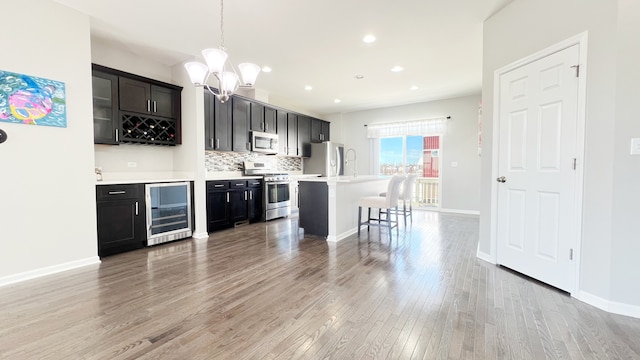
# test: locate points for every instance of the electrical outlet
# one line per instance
(454, 164)
(132, 164)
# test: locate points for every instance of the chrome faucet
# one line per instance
(355, 161)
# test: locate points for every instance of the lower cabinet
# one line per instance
(233, 202)
(121, 218)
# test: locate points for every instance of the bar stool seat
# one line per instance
(384, 204)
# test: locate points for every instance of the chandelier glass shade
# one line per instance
(225, 77)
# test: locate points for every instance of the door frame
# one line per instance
(581, 40)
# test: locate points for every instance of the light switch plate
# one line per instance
(635, 146)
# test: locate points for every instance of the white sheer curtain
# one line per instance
(407, 128)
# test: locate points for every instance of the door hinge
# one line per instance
(575, 161)
(570, 254)
(577, 67)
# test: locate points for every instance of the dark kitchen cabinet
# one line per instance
(233, 202)
(270, 120)
(142, 110)
(240, 124)
(282, 131)
(319, 130)
(105, 108)
(257, 117)
(145, 98)
(238, 202)
(304, 136)
(292, 134)
(217, 126)
(120, 218)
(255, 206)
(217, 209)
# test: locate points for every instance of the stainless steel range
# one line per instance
(277, 199)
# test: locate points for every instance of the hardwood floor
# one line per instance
(264, 292)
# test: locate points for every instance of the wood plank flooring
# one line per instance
(262, 291)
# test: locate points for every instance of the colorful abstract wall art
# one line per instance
(32, 100)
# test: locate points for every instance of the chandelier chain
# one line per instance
(222, 24)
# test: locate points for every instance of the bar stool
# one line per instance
(384, 204)
(406, 195)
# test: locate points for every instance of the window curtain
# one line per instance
(407, 128)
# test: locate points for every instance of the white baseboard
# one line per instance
(342, 236)
(200, 235)
(457, 211)
(28, 275)
(485, 257)
(607, 305)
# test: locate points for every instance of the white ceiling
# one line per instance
(317, 43)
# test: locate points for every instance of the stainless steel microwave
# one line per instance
(264, 142)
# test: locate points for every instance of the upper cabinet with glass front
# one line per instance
(134, 109)
(105, 108)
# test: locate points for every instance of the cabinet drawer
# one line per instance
(217, 185)
(115, 192)
(236, 184)
(254, 183)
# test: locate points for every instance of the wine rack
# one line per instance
(148, 130)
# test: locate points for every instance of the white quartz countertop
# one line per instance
(346, 179)
(142, 178)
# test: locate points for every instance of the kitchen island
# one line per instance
(329, 205)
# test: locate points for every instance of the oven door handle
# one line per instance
(277, 182)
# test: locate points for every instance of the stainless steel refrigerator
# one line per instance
(327, 159)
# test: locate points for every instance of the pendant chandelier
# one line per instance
(226, 78)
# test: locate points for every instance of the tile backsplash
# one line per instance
(232, 161)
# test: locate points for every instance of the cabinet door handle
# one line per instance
(227, 197)
(212, 146)
(155, 106)
(136, 208)
(117, 137)
(218, 185)
(117, 192)
(148, 105)
(250, 195)
(217, 143)
(245, 195)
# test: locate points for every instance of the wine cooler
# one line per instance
(168, 212)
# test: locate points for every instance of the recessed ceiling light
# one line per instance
(414, 87)
(397, 68)
(369, 39)
(266, 69)
(308, 88)
(337, 101)
(359, 77)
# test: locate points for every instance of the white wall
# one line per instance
(461, 184)
(47, 206)
(625, 247)
(609, 248)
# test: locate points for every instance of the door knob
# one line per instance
(501, 179)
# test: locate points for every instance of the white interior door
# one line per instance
(536, 213)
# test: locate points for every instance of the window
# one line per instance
(410, 155)
(411, 147)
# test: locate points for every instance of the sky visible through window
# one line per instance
(391, 150)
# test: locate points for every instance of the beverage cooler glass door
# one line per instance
(168, 212)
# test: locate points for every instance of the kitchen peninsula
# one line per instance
(329, 205)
